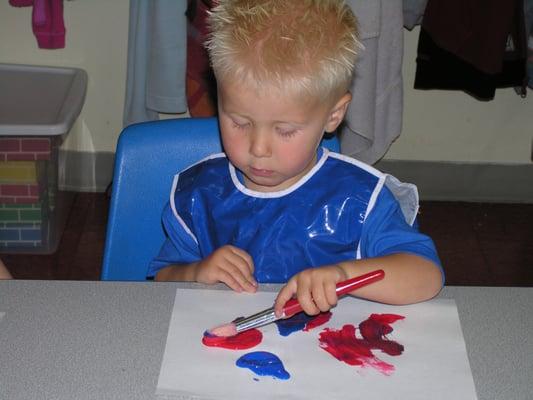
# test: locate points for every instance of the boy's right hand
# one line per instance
(230, 265)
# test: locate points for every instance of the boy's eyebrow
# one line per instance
(293, 123)
(236, 114)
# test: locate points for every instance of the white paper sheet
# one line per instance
(434, 364)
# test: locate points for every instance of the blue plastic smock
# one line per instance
(322, 219)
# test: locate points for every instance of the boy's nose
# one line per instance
(260, 145)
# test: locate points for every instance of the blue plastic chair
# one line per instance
(148, 156)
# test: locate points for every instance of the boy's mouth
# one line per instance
(261, 172)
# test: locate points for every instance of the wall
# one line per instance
(439, 127)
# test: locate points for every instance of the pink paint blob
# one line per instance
(346, 347)
(241, 341)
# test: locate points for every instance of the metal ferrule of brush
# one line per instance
(254, 321)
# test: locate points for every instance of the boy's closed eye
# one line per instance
(286, 132)
(283, 132)
(240, 125)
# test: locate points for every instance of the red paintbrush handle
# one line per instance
(292, 306)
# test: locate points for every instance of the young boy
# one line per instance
(276, 207)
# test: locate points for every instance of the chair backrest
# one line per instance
(148, 156)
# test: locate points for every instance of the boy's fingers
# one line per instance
(305, 298)
(228, 279)
(319, 297)
(244, 256)
(233, 265)
(242, 267)
(243, 280)
(284, 295)
(331, 294)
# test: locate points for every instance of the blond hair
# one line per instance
(301, 46)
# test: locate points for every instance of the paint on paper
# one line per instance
(263, 363)
(434, 360)
(301, 321)
(345, 346)
(242, 341)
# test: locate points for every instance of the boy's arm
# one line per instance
(178, 250)
(409, 278)
(177, 273)
(412, 267)
(180, 259)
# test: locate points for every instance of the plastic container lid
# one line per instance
(40, 101)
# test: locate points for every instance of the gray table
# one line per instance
(105, 340)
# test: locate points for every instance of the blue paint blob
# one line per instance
(295, 323)
(263, 363)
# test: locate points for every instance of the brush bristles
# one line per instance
(225, 330)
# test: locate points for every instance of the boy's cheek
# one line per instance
(235, 150)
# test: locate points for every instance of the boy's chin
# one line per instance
(264, 185)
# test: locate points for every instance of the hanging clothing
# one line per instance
(374, 117)
(413, 11)
(21, 3)
(201, 83)
(155, 81)
(528, 10)
(47, 22)
(472, 45)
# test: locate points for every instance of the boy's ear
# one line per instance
(337, 112)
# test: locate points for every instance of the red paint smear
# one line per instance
(320, 319)
(241, 341)
(345, 346)
(374, 330)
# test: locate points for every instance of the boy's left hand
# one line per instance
(314, 288)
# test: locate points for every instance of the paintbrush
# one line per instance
(290, 308)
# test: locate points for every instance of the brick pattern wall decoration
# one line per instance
(25, 192)
(21, 225)
(25, 149)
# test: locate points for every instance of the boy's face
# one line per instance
(271, 138)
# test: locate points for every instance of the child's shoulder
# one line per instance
(383, 187)
(342, 161)
(210, 161)
(345, 176)
(212, 164)
(208, 169)
(352, 172)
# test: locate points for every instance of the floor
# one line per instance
(479, 244)
(80, 251)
